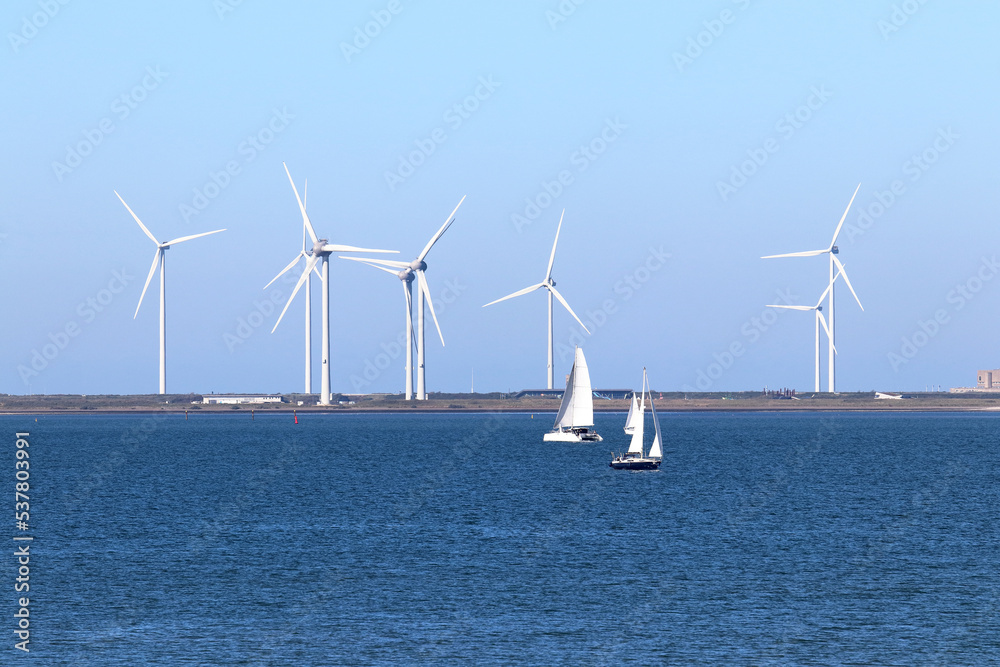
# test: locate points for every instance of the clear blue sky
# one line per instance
(198, 80)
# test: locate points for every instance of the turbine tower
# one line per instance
(406, 271)
(835, 263)
(304, 253)
(819, 320)
(320, 252)
(159, 260)
(549, 284)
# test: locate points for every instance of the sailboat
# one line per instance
(576, 412)
(636, 457)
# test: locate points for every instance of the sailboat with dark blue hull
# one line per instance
(636, 458)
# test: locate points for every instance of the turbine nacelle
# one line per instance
(835, 250)
(317, 249)
(418, 265)
(406, 275)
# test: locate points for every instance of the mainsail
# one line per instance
(638, 428)
(577, 407)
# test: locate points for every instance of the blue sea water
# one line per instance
(806, 539)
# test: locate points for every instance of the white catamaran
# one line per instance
(636, 458)
(576, 412)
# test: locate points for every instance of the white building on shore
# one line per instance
(240, 399)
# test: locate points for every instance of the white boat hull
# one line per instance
(574, 435)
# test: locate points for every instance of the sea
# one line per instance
(463, 539)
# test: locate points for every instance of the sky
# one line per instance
(684, 141)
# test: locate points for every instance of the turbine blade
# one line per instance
(422, 279)
(376, 266)
(844, 217)
(396, 264)
(193, 236)
(285, 270)
(152, 270)
(552, 255)
(440, 232)
(349, 248)
(148, 233)
(847, 280)
(822, 296)
(517, 293)
(822, 320)
(807, 253)
(559, 296)
(774, 305)
(302, 279)
(302, 207)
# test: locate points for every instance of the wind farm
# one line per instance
(829, 326)
(406, 273)
(320, 253)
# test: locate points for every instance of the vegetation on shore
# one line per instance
(496, 402)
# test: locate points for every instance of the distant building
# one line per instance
(988, 380)
(241, 399)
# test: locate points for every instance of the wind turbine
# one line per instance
(304, 253)
(159, 259)
(406, 271)
(549, 284)
(819, 320)
(832, 251)
(320, 252)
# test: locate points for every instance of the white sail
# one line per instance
(656, 449)
(565, 414)
(635, 447)
(583, 393)
(632, 415)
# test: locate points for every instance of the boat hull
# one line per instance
(575, 435)
(635, 463)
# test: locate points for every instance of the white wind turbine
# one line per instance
(159, 260)
(320, 252)
(406, 271)
(304, 253)
(832, 251)
(820, 320)
(549, 284)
